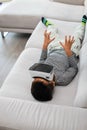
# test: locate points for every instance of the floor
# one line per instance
(10, 48)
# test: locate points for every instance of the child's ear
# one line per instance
(52, 83)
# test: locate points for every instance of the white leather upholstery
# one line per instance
(18, 109)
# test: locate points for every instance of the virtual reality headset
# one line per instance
(41, 70)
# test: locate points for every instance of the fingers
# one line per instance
(73, 40)
(46, 33)
(52, 39)
(61, 44)
(47, 36)
(65, 39)
(69, 39)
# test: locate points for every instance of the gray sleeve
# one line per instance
(43, 56)
(70, 73)
(73, 61)
(67, 76)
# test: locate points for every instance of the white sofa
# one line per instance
(67, 110)
(21, 16)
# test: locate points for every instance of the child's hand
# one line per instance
(47, 39)
(67, 45)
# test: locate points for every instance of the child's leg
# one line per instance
(54, 45)
(79, 36)
(54, 33)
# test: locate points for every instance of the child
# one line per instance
(62, 56)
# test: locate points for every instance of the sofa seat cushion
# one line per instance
(18, 82)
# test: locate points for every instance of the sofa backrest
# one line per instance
(74, 2)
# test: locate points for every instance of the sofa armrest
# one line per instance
(27, 115)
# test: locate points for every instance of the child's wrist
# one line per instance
(69, 53)
(44, 46)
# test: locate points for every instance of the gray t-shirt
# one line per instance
(65, 68)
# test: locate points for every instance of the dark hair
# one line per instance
(41, 92)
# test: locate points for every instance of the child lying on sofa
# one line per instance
(63, 56)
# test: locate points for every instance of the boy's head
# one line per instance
(42, 89)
